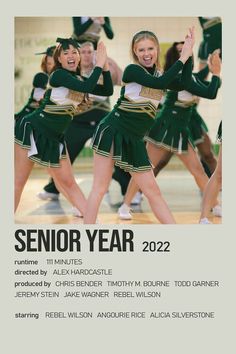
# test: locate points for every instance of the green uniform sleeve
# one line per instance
(183, 80)
(64, 78)
(206, 90)
(201, 21)
(80, 28)
(107, 88)
(136, 73)
(40, 80)
(107, 28)
(186, 75)
(202, 74)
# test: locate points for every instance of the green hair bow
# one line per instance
(65, 42)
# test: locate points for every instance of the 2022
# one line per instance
(159, 246)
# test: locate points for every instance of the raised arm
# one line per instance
(64, 78)
(79, 27)
(136, 73)
(107, 28)
(208, 89)
(202, 74)
(183, 80)
(106, 89)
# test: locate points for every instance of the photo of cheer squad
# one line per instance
(118, 120)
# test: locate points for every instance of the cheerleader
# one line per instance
(213, 186)
(197, 126)
(83, 126)
(88, 29)
(170, 132)
(40, 81)
(119, 137)
(211, 38)
(39, 136)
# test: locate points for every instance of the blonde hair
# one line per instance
(139, 36)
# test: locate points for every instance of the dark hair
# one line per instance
(57, 53)
(145, 35)
(172, 55)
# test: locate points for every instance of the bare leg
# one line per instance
(23, 167)
(147, 183)
(103, 169)
(131, 191)
(163, 162)
(157, 154)
(206, 153)
(60, 187)
(212, 189)
(64, 178)
(158, 157)
(193, 164)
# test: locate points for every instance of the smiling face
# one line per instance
(69, 58)
(146, 52)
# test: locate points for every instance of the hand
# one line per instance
(101, 55)
(192, 34)
(106, 66)
(98, 20)
(101, 20)
(214, 63)
(187, 49)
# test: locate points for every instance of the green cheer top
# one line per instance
(171, 129)
(42, 132)
(121, 132)
(40, 81)
(86, 30)
(212, 36)
(97, 108)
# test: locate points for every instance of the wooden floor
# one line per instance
(178, 188)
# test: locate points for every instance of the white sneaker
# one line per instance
(204, 221)
(76, 212)
(124, 212)
(217, 211)
(137, 198)
(46, 195)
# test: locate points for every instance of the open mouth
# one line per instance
(71, 62)
(147, 61)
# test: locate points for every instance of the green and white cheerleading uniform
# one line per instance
(81, 129)
(197, 126)
(121, 132)
(39, 88)
(42, 132)
(212, 36)
(86, 30)
(171, 129)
